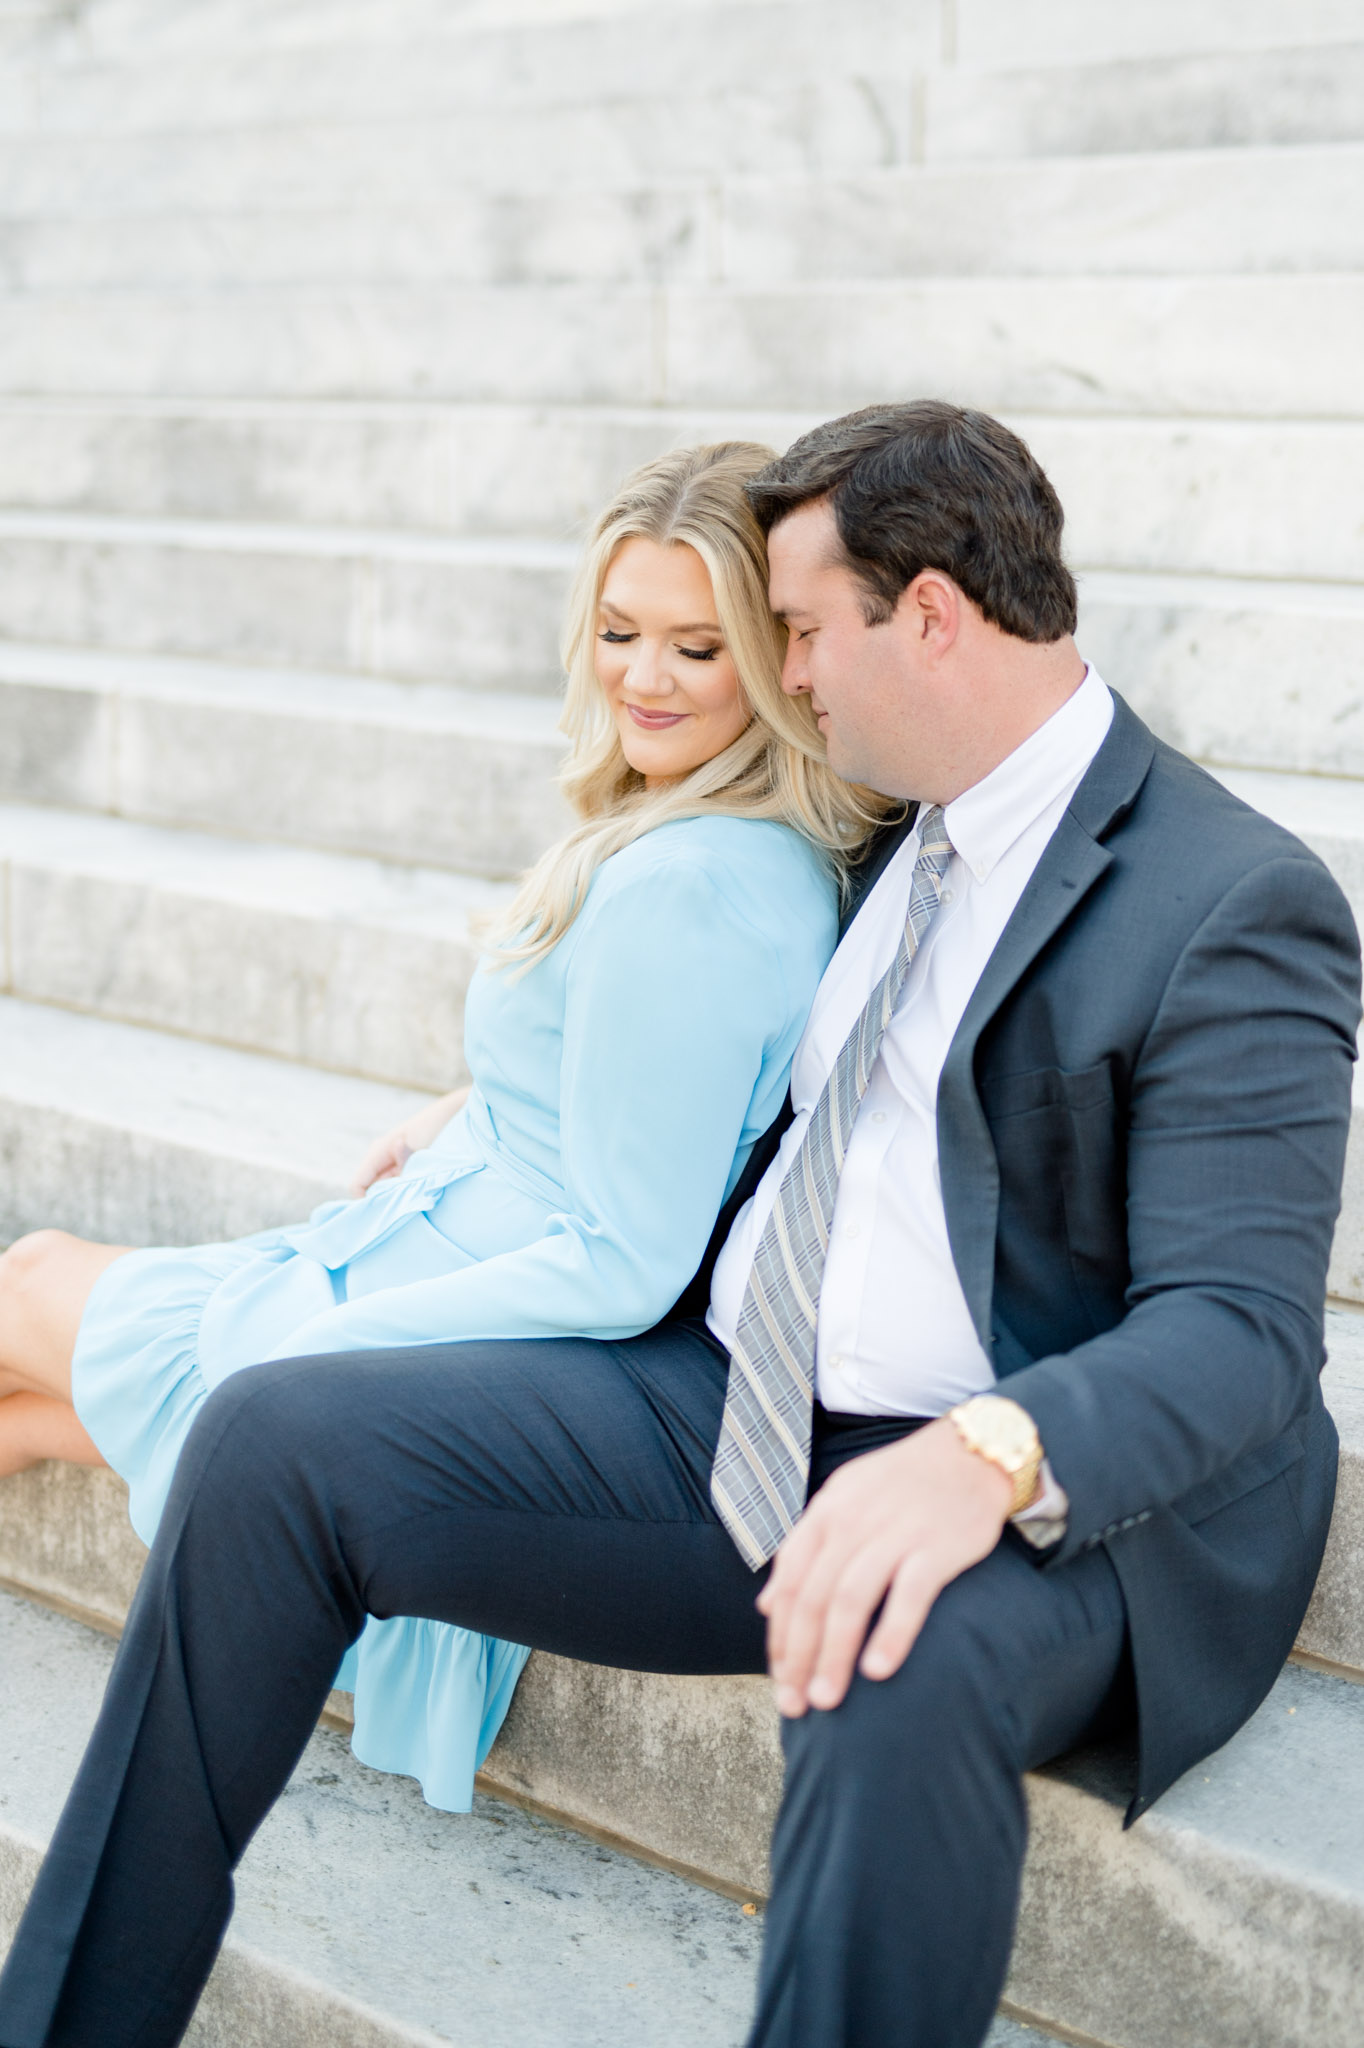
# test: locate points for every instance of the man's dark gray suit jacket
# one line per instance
(1142, 1124)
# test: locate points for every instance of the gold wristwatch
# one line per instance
(1005, 1435)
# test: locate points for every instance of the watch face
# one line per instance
(1004, 1431)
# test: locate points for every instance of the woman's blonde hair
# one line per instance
(775, 769)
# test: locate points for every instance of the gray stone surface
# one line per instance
(478, 613)
(365, 1918)
(687, 1768)
(1219, 97)
(336, 961)
(1242, 346)
(141, 1137)
(1213, 211)
(1232, 1914)
(1334, 1624)
(65, 1537)
(410, 772)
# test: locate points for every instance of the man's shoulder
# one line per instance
(1190, 823)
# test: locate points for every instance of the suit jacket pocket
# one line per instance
(1059, 1142)
(1006, 1095)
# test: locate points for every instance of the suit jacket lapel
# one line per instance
(870, 870)
(1071, 864)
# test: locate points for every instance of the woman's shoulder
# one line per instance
(767, 883)
(742, 858)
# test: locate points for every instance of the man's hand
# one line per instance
(898, 1524)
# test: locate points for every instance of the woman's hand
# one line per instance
(388, 1155)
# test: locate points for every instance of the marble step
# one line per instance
(1096, 78)
(1276, 498)
(789, 86)
(333, 960)
(1231, 346)
(418, 607)
(997, 35)
(134, 1136)
(407, 772)
(1239, 671)
(1215, 97)
(1197, 212)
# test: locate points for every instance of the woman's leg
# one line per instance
(45, 1282)
(35, 1427)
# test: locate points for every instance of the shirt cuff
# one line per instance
(1043, 1521)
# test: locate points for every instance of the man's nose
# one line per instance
(794, 678)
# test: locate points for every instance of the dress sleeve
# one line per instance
(673, 997)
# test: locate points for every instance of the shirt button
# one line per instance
(878, 1116)
(836, 1362)
(947, 895)
(853, 1230)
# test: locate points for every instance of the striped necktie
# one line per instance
(762, 1463)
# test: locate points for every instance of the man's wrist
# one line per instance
(1005, 1436)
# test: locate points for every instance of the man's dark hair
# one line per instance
(933, 486)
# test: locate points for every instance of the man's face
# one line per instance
(863, 681)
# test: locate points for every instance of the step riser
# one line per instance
(803, 83)
(1151, 97)
(1222, 100)
(1243, 686)
(1154, 1948)
(401, 164)
(1002, 35)
(1211, 214)
(1101, 346)
(483, 626)
(1147, 495)
(474, 803)
(246, 2003)
(358, 998)
(120, 1187)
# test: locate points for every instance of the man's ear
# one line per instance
(930, 607)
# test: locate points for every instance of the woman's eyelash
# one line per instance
(692, 653)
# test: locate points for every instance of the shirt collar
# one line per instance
(985, 820)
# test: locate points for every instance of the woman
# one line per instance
(629, 1035)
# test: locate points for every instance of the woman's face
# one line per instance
(663, 663)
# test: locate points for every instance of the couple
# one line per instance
(997, 1382)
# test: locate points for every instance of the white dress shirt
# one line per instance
(895, 1336)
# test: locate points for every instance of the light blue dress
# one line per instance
(619, 1086)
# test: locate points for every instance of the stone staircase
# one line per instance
(324, 324)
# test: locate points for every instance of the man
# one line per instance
(1064, 1158)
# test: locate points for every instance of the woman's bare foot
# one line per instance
(34, 1427)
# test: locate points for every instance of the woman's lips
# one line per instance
(655, 721)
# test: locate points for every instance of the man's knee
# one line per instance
(949, 1696)
(253, 1443)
